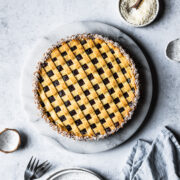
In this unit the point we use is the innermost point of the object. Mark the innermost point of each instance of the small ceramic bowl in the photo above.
(135, 25)
(9, 140)
(172, 51)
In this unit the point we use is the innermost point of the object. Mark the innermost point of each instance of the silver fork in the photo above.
(34, 170)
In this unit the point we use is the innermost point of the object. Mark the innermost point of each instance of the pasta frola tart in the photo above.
(86, 87)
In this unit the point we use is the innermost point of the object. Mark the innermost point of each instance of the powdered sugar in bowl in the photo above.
(138, 13)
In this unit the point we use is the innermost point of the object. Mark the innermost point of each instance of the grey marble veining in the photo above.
(22, 22)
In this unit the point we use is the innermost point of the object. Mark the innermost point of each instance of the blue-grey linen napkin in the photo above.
(157, 160)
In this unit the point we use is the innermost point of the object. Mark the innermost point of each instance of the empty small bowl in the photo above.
(9, 140)
(173, 50)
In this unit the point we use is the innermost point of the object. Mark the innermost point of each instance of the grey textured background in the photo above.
(22, 22)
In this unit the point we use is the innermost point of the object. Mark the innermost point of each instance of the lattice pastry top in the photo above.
(86, 87)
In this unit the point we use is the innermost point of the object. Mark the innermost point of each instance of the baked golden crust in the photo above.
(86, 87)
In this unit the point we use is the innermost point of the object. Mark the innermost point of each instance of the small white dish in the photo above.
(142, 25)
(75, 174)
(173, 50)
(9, 140)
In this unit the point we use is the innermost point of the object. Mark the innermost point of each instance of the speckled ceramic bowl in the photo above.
(142, 25)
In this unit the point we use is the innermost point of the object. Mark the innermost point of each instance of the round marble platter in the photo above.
(145, 79)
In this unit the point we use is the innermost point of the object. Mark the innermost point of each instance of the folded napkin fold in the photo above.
(157, 160)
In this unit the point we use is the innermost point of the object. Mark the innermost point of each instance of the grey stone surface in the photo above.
(23, 22)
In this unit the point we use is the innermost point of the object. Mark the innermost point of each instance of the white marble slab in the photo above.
(63, 32)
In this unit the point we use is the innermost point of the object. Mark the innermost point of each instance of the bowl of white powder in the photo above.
(138, 13)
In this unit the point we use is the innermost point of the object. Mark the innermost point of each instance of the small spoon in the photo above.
(137, 4)
(173, 50)
(9, 140)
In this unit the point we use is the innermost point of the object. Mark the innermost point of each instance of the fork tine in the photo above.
(32, 165)
(43, 170)
(41, 165)
(35, 168)
(47, 164)
(29, 164)
(47, 168)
